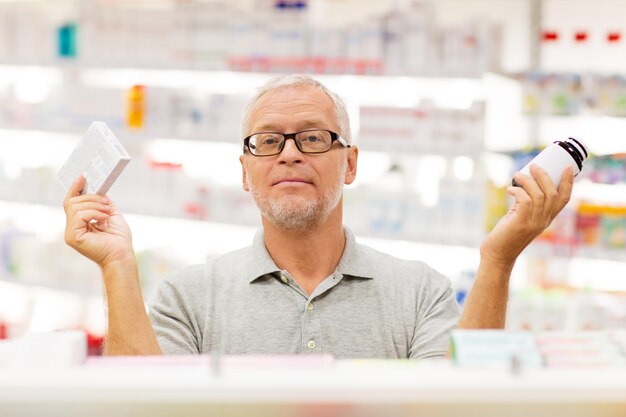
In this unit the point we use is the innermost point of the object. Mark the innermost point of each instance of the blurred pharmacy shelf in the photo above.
(293, 386)
(24, 148)
(602, 134)
(192, 174)
(194, 240)
(257, 35)
(445, 83)
(26, 307)
(181, 103)
(607, 193)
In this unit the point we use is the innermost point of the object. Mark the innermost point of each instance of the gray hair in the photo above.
(300, 80)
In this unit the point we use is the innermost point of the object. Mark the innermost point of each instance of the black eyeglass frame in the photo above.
(334, 137)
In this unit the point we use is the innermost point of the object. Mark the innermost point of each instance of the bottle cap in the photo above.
(579, 144)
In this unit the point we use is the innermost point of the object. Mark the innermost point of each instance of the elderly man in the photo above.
(304, 285)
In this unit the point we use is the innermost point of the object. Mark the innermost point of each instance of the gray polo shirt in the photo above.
(372, 306)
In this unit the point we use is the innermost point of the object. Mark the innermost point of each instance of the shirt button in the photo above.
(283, 278)
(311, 344)
(309, 306)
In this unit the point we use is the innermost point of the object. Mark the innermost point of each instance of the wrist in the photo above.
(494, 255)
(499, 261)
(118, 259)
(502, 265)
(124, 266)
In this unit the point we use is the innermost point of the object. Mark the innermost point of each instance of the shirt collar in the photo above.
(352, 262)
(261, 263)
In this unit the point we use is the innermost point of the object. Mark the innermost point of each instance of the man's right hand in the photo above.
(95, 228)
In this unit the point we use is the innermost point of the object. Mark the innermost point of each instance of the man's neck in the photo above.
(311, 255)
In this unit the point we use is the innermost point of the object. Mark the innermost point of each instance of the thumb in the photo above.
(76, 187)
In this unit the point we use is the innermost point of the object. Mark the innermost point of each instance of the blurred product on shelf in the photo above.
(29, 259)
(607, 169)
(443, 208)
(49, 350)
(520, 349)
(554, 94)
(573, 94)
(588, 229)
(610, 98)
(279, 37)
(95, 344)
(601, 226)
(175, 113)
(496, 203)
(487, 349)
(566, 308)
(40, 275)
(67, 40)
(494, 349)
(136, 107)
(424, 129)
(581, 349)
(462, 286)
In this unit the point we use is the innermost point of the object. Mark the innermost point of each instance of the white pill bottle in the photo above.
(558, 156)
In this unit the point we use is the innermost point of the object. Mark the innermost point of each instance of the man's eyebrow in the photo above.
(309, 124)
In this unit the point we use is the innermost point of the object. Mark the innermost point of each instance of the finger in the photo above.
(80, 224)
(550, 195)
(94, 198)
(74, 190)
(113, 207)
(91, 205)
(565, 188)
(523, 203)
(86, 216)
(76, 187)
(531, 188)
(75, 208)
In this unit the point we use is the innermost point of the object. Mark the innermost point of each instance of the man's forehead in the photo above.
(297, 95)
(302, 105)
(302, 124)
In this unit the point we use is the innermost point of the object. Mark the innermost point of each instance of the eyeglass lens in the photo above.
(311, 141)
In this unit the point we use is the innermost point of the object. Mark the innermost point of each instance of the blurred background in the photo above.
(447, 99)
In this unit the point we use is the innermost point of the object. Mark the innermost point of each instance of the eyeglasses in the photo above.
(307, 141)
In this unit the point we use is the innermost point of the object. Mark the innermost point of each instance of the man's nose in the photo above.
(290, 152)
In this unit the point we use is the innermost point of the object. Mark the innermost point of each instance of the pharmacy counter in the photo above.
(305, 386)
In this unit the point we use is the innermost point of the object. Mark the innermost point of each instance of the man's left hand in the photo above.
(537, 202)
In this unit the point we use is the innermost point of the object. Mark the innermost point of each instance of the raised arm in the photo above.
(537, 202)
(98, 231)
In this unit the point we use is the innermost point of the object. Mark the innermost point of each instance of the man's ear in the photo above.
(244, 173)
(353, 156)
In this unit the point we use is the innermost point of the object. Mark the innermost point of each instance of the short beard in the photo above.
(295, 213)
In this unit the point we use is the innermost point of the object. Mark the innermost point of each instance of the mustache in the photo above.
(292, 176)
